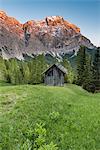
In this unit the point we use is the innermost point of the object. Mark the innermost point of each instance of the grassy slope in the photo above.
(76, 128)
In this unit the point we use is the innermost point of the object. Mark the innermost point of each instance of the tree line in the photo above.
(88, 70)
(23, 72)
(29, 72)
(86, 75)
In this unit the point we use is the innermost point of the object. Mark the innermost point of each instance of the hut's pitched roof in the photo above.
(59, 66)
(62, 68)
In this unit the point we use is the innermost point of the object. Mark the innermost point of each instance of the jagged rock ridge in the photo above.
(52, 35)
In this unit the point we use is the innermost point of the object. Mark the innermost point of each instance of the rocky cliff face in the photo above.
(52, 35)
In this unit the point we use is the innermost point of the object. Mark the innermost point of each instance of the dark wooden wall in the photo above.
(54, 77)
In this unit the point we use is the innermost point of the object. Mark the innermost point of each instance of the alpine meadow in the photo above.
(42, 117)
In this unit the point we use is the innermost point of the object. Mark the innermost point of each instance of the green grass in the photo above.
(71, 116)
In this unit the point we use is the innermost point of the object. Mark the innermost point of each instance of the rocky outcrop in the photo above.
(51, 35)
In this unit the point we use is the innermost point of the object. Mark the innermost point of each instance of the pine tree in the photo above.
(14, 72)
(2, 69)
(70, 76)
(41, 67)
(84, 70)
(96, 69)
(32, 69)
(36, 68)
(87, 84)
(81, 62)
(7, 75)
(25, 73)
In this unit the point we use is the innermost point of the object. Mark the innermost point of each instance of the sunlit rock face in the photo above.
(51, 35)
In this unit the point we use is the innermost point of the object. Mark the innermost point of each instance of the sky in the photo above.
(83, 13)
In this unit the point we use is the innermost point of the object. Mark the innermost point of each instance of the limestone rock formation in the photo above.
(51, 35)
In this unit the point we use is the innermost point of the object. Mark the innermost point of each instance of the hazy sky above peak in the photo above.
(83, 13)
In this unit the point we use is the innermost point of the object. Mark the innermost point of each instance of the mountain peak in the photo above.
(58, 20)
(3, 15)
(52, 34)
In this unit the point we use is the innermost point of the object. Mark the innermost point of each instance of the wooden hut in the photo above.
(54, 75)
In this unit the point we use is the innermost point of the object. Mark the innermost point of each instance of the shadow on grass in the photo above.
(3, 83)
